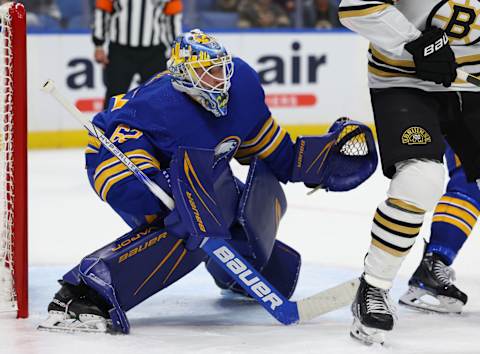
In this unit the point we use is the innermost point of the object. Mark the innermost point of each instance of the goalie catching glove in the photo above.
(338, 161)
(433, 57)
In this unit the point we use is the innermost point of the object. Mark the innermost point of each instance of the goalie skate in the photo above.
(76, 309)
(63, 322)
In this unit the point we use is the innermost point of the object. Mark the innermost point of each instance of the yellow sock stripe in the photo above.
(405, 206)
(461, 203)
(389, 250)
(459, 213)
(452, 221)
(362, 12)
(395, 227)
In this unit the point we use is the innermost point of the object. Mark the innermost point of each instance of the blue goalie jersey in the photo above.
(150, 122)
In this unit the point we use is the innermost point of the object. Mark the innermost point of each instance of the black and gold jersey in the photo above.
(389, 25)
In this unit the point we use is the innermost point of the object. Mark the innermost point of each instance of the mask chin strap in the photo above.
(208, 101)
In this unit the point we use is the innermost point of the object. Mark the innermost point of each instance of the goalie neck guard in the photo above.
(201, 67)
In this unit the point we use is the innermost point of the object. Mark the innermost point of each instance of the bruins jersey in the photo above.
(389, 25)
(150, 122)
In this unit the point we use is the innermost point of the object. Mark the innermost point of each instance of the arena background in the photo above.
(311, 77)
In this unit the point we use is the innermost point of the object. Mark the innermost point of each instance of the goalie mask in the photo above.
(201, 67)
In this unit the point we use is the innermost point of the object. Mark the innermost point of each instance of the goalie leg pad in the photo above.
(281, 270)
(134, 267)
(261, 207)
(340, 160)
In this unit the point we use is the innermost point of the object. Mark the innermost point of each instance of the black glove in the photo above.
(433, 57)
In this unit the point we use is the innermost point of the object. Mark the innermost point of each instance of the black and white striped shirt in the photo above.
(135, 23)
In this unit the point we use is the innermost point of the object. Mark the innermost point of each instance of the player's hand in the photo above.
(433, 57)
(100, 56)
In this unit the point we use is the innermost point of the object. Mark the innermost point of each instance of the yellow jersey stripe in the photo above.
(390, 61)
(116, 169)
(273, 145)
(90, 150)
(94, 141)
(362, 12)
(116, 178)
(382, 73)
(262, 131)
(114, 160)
(242, 151)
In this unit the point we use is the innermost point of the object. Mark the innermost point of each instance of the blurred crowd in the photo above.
(206, 14)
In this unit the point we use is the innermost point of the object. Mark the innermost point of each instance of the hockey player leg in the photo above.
(415, 188)
(431, 287)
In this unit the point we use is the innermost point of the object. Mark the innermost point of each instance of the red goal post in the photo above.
(13, 161)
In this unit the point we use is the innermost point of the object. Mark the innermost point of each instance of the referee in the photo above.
(138, 33)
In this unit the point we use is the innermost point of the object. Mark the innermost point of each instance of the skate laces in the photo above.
(378, 301)
(443, 273)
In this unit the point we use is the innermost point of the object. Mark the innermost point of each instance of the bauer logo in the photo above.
(237, 267)
(416, 136)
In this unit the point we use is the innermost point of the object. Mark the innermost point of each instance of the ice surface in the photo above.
(330, 230)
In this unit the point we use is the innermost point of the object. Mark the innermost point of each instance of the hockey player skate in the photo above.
(76, 309)
(373, 314)
(431, 287)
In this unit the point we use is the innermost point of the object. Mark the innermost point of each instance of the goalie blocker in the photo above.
(210, 202)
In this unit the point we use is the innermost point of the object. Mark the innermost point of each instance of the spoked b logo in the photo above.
(459, 20)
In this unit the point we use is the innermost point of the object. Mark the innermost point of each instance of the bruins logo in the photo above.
(459, 19)
(416, 136)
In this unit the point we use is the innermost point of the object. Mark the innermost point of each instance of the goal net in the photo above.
(13, 167)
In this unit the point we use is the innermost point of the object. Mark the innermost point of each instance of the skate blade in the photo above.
(423, 300)
(367, 335)
(62, 322)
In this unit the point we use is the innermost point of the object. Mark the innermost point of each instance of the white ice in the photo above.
(330, 230)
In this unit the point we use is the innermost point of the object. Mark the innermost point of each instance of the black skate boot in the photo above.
(373, 314)
(433, 278)
(77, 309)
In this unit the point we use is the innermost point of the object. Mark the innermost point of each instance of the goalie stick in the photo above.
(284, 310)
